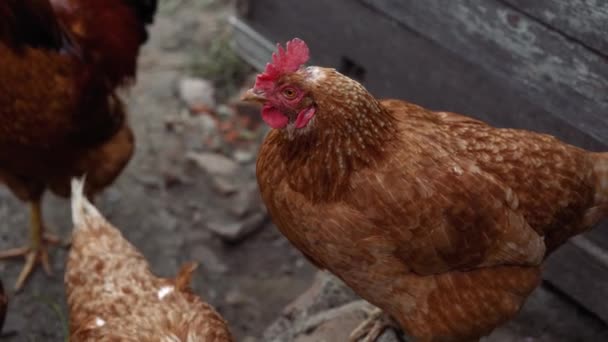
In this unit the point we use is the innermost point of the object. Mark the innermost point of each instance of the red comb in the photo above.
(285, 60)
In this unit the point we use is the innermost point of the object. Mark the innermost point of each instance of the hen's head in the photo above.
(304, 99)
(287, 89)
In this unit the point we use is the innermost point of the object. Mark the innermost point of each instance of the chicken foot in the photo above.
(37, 251)
(371, 328)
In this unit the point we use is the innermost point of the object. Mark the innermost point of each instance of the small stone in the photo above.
(197, 93)
(195, 236)
(246, 201)
(235, 297)
(195, 130)
(224, 186)
(172, 178)
(197, 217)
(207, 123)
(168, 221)
(213, 163)
(243, 156)
(149, 181)
(208, 259)
(233, 232)
(113, 195)
(325, 293)
(389, 335)
(286, 269)
(224, 111)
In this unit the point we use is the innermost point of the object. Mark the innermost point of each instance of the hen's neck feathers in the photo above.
(350, 131)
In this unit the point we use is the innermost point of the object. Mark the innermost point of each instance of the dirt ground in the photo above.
(165, 204)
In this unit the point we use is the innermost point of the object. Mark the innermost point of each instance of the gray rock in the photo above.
(233, 232)
(327, 311)
(213, 163)
(207, 123)
(167, 221)
(195, 131)
(225, 111)
(243, 156)
(198, 235)
(246, 201)
(113, 195)
(235, 297)
(224, 186)
(197, 93)
(149, 181)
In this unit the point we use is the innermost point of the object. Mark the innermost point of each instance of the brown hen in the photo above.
(440, 220)
(113, 296)
(61, 62)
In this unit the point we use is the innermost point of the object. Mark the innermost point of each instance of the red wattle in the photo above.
(273, 117)
(304, 117)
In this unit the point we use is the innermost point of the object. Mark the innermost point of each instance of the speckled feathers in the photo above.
(439, 219)
(113, 296)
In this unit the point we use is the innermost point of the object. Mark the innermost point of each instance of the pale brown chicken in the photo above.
(113, 296)
(440, 220)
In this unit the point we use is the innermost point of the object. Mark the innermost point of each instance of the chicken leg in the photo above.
(36, 252)
(371, 328)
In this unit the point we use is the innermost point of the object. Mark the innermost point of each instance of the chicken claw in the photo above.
(372, 327)
(32, 257)
(37, 251)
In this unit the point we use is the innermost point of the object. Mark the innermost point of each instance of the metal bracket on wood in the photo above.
(250, 45)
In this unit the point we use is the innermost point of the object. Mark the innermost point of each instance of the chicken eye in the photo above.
(289, 93)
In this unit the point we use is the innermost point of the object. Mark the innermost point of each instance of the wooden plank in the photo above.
(578, 274)
(582, 20)
(599, 235)
(252, 47)
(407, 66)
(563, 77)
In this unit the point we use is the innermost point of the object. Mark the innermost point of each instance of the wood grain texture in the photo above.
(409, 66)
(578, 274)
(561, 76)
(583, 20)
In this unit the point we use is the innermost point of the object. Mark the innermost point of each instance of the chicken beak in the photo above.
(254, 95)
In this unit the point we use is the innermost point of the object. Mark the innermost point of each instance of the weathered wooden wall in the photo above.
(540, 64)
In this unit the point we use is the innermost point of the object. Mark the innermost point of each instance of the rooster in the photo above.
(113, 296)
(438, 219)
(61, 63)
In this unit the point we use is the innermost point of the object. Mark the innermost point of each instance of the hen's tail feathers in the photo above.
(84, 214)
(601, 174)
(184, 276)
